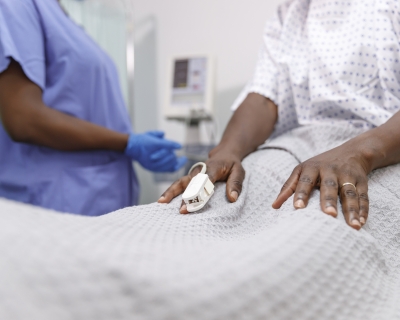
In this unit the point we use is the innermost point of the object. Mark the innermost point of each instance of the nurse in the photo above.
(66, 142)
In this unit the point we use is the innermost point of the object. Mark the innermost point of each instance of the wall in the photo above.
(229, 30)
(103, 20)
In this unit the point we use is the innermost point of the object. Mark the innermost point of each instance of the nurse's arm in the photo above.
(27, 119)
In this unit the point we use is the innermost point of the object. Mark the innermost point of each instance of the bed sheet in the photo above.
(229, 261)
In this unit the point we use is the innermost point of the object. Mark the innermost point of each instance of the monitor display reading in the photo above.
(181, 73)
(189, 83)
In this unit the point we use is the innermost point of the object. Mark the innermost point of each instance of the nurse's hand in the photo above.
(223, 165)
(154, 152)
(338, 173)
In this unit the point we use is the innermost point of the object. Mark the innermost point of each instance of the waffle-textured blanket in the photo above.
(229, 261)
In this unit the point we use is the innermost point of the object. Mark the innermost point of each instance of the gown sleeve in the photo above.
(22, 39)
(265, 77)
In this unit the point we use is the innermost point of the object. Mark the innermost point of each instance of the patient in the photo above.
(321, 66)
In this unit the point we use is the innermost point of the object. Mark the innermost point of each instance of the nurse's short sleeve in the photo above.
(21, 38)
(265, 77)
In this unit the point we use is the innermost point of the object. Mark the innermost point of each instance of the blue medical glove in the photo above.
(154, 152)
(156, 133)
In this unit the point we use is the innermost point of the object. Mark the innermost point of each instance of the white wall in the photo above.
(229, 30)
(102, 20)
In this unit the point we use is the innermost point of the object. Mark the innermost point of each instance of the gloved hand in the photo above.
(154, 152)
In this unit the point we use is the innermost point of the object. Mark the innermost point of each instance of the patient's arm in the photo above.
(348, 163)
(251, 124)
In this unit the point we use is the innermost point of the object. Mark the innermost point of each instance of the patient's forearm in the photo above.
(381, 146)
(251, 124)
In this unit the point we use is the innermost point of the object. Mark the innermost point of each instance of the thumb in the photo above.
(156, 133)
(234, 182)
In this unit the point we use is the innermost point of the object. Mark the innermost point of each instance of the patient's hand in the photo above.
(221, 166)
(250, 125)
(340, 172)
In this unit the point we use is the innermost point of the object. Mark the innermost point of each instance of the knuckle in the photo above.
(330, 198)
(363, 196)
(297, 170)
(237, 183)
(332, 166)
(352, 209)
(220, 170)
(306, 179)
(223, 169)
(364, 209)
(358, 177)
(347, 170)
(286, 186)
(299, 167)
(302, 193)
(350, 193)
(214, 163)
(330, 183)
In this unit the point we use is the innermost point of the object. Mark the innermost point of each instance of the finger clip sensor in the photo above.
(199, 190)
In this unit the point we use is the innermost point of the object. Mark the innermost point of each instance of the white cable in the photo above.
(203, 170)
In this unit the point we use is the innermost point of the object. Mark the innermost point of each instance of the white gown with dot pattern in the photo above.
(330, 61)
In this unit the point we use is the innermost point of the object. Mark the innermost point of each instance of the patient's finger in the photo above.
(363, 201)
(218, 170)
(235, 182)
(350, 205)
(183, 208)
(289, 187)
(329, 193)
(307, 181)
(177, 188)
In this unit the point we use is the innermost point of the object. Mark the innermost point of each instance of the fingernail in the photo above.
(355, 222)
(331, 210)
(183, 209)
(162, 198)
(299, 204)
(234, 195)
(362, 220)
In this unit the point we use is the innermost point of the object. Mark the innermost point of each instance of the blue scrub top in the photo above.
(79, 79)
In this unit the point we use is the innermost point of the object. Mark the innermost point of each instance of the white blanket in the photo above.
(229, 261)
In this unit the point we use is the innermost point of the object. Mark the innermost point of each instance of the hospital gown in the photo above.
(330, 61)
